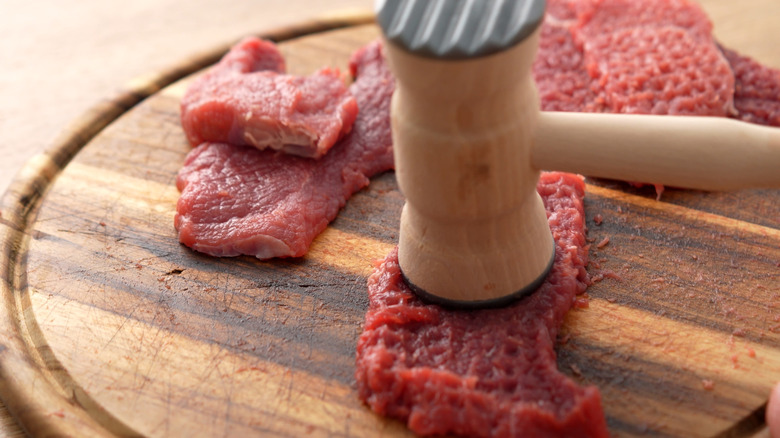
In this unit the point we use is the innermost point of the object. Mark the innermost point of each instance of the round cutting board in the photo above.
(111, 327)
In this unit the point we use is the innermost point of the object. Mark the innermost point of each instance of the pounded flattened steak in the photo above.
(486, 373)
(631, 56)
(246, 99)
(240, 200)
(660, 70)
(599, 17)
(647, 57)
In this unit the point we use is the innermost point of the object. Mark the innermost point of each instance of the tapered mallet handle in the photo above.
(706, 153)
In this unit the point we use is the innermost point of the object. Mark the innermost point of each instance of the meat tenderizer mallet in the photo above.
(469, 141)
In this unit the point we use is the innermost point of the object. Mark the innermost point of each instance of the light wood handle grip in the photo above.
(707, 153)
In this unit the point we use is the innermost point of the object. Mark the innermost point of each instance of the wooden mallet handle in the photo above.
(707, 153)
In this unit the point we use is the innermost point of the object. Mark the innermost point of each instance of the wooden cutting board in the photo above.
(112, 328)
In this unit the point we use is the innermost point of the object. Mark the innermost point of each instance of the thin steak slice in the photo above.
(660, 70)
(246, 99)
(629, 56)
(240, 200)
(655, 57)
(485, 373)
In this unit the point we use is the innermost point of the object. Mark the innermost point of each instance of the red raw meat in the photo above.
(567, 10)
(250, 55)
(647, 56)
(660, 70)
(600, 17)
(757, 90)
(246, 99)
(240, 200)
(559, 72)
(485, 373)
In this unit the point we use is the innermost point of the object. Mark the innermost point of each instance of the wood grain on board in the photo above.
(112, 327)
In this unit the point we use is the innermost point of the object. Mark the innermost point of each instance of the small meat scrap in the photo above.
(247, 99)
(239, 200)
(484, 373)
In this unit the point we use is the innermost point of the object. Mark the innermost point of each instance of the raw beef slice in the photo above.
(486, 373)
(629, 56)
(239, 200)
(599, 17)
(559, 72)
(246, 99)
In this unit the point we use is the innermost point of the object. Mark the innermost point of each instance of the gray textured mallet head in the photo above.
(458, 29)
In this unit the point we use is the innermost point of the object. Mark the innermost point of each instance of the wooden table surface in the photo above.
(60, 59)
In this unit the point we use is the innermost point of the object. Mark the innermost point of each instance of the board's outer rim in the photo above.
(32, 396)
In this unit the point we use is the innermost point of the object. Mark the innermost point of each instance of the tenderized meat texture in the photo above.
(240, 200)
(559, 72)
(246, 99)
(757, 90)
(485, 373)
(599, 17)
(629, 56)
(566, 10)
(660, 70)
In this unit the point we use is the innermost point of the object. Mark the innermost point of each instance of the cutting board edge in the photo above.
(48, 409)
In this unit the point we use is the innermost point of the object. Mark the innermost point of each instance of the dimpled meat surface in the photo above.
(633, 56)
(489, 372)
(240, 200)
(246, 99)
(559, 72)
